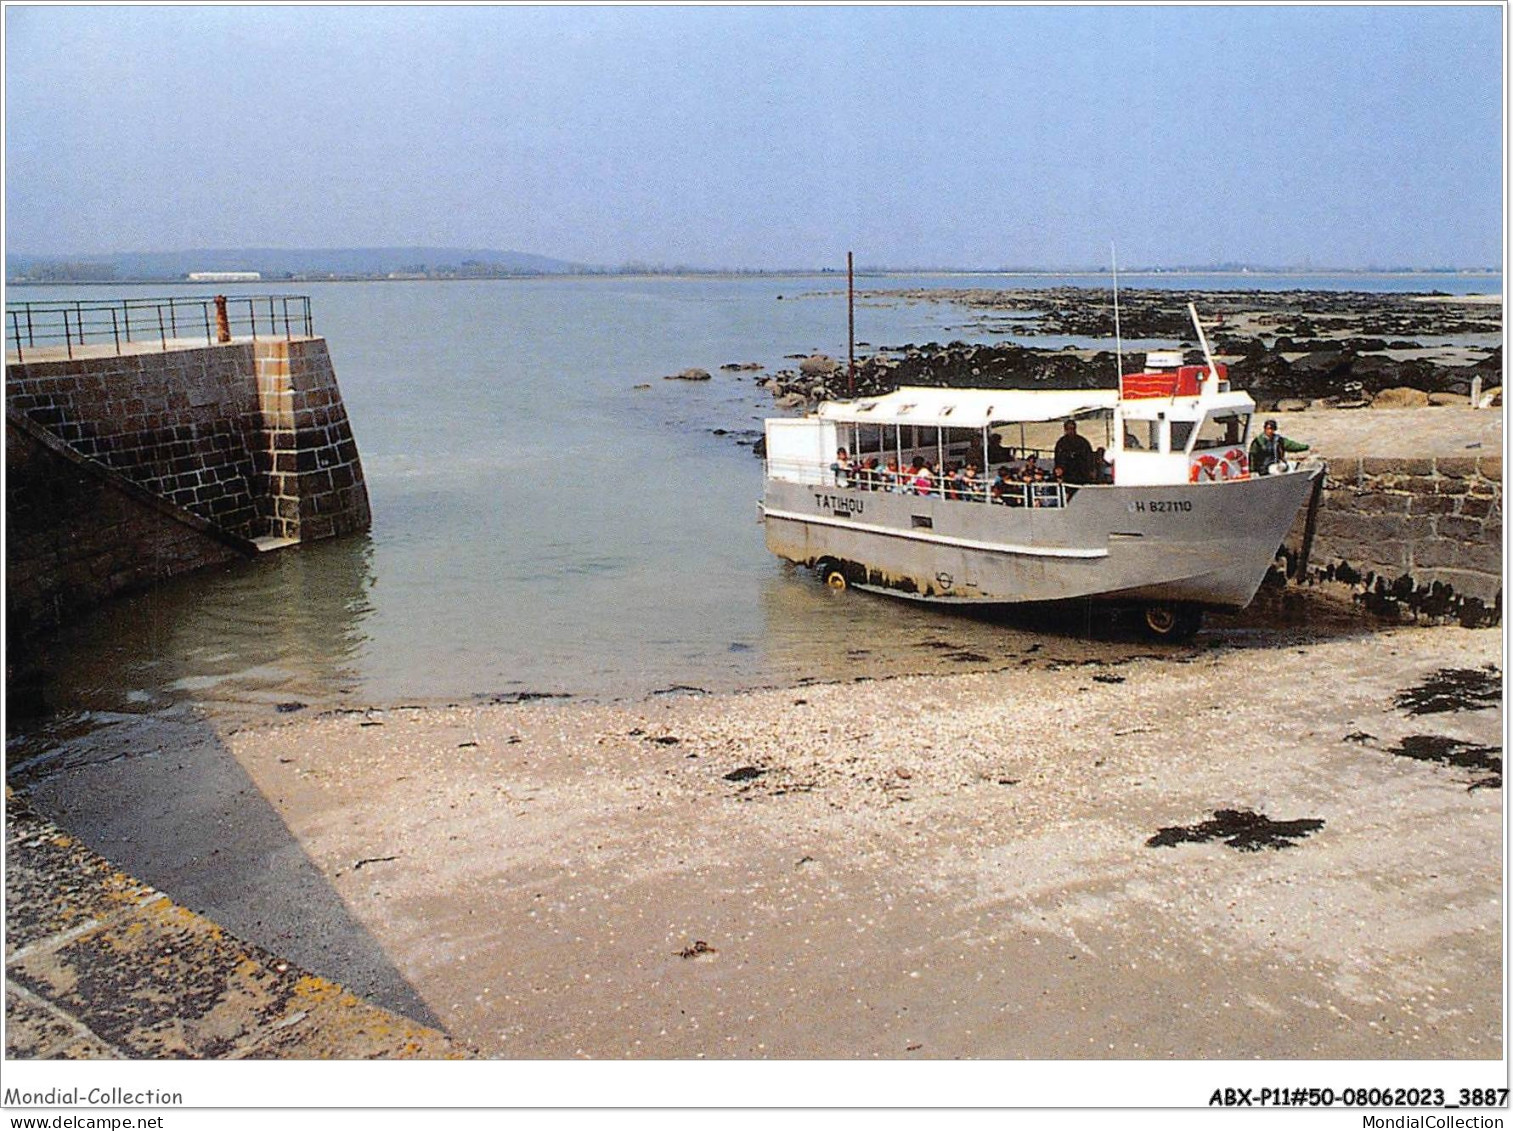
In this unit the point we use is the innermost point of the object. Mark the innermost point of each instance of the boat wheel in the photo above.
(1172, 622)
(832, 575)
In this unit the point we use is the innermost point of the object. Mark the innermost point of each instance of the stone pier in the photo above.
(1411, 513)
(130, 464)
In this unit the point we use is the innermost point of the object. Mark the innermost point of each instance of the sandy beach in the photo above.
(932, 866)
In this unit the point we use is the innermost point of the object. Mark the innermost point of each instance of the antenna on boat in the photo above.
(850, 327)
(1213, 370)
(1118, 336)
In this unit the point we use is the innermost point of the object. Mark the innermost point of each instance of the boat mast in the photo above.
(1118, 336)
(1213, 370)
(850, 327)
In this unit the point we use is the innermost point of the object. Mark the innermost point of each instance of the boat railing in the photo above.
(1015, 493)
(127, 325)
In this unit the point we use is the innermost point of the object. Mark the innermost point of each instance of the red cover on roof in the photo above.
(1181, 382)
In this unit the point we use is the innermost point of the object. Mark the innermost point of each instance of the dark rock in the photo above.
(818, 365)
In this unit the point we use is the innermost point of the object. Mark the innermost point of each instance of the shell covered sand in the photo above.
(941, 866)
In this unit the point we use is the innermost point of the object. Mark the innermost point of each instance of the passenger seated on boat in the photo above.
(1044, 492)
(892, 481)
(841, 468)
(868, 477)
(921, 478)
(1003, 487)
(974, 488)
(962, 480)
(1024, 483)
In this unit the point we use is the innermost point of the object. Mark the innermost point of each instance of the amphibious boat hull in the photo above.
(1202, 544)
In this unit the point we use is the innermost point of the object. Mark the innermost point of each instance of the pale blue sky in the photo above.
(765, 137)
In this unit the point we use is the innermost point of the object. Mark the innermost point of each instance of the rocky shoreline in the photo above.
(1290, 350)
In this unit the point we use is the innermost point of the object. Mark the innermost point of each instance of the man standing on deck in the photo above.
(1270, 447)
(1074, 455)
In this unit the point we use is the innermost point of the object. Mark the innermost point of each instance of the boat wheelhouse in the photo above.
(1168, 516)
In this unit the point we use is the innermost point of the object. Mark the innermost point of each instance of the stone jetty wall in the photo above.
(77, 533)
(182, 424)
(314, 479)
(170, 460)
(1420, 536)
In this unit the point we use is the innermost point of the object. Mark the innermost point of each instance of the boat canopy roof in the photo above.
(969, 408)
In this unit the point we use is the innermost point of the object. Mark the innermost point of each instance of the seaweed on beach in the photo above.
(1453, 689)
(1240, 829)
(1454, 752)
(504, 698)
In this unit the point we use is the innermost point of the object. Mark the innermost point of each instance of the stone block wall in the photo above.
(1421, 533)
(77, 533)
(314, 481)
(181, 424)
(210, 447)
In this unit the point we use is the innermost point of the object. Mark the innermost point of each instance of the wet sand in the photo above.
(933, 866)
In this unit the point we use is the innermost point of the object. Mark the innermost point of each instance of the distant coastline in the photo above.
(216, 266)
(796, 273)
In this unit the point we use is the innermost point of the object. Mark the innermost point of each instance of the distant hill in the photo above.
(290, 264)
(285, 263)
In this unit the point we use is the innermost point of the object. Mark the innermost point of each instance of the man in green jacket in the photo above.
(1271, 447)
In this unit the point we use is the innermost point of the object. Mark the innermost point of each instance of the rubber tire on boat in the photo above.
(1171, 622)
(832, 575)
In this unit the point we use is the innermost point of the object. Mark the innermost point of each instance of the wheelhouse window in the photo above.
(1142, 435)
(1182, 431)
(1223, 429)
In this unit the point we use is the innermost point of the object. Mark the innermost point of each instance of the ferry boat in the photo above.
(1173, 522)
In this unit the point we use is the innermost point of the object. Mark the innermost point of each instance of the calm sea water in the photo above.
(543, 525)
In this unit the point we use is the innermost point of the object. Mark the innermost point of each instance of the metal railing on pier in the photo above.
(135, 322)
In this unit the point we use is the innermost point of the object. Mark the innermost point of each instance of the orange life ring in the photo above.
(1203, 468)
(1210, 469)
